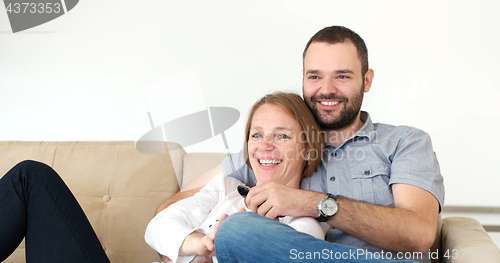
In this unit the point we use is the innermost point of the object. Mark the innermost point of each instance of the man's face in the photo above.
(333, 84)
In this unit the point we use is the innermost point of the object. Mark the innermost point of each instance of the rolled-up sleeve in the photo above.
(415, 163)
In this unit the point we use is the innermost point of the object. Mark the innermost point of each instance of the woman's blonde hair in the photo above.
(310, 131)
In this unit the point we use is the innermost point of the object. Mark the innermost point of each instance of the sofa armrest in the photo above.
(464, 239)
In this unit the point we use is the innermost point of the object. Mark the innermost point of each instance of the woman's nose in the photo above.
(266, 144)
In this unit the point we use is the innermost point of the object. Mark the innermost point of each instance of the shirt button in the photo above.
(332, 178)
(367, 172)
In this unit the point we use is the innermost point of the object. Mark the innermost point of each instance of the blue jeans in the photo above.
(35, 203)
(248, 237)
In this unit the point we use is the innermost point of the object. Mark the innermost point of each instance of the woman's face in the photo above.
(276, 150)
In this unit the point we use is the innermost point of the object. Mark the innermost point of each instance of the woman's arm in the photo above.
(168, 229)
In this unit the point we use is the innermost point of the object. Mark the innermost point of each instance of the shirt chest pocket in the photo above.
(370, 183)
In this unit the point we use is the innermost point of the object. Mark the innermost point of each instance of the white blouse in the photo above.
(168, 229)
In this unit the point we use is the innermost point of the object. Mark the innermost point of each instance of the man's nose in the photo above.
(328, 86)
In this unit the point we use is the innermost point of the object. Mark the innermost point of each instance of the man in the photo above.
(384, 187)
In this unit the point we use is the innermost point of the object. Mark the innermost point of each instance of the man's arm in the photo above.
(177, 197)
(409, 226)
(192, 187)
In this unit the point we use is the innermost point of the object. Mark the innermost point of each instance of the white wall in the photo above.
(87, 74)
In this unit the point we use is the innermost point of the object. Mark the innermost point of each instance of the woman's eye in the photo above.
(283, 136)
(256, 135)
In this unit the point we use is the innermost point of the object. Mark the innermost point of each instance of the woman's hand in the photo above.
(165, 259)
(201, 259)
(206, 245)
(201, 245)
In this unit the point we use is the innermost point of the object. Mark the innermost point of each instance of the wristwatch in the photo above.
(327, 208)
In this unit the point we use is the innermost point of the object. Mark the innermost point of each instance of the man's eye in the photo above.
(313, 77)
(343, 77)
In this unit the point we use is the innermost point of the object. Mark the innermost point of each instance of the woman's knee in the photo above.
(245, 224)
(34, 169)
(234, 225)
(238, 220)
(233, 230)
(32, 164)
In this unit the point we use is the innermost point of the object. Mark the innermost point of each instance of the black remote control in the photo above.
(243, 190)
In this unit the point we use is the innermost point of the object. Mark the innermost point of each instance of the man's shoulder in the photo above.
(388, 131)
(383, 130)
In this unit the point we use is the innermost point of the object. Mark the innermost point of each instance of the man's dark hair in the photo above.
(339, 34)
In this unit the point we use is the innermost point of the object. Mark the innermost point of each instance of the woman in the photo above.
(283, 145)
(36, 204)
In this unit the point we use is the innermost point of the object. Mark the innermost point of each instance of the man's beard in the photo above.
(348, 113)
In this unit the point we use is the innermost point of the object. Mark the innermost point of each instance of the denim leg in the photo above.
(35, 203)
(248, 237)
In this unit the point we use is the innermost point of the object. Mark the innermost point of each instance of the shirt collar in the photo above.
(366, 131)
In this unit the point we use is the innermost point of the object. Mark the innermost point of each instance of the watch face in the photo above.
(329, 207)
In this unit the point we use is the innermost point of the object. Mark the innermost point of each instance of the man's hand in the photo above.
(273, 200)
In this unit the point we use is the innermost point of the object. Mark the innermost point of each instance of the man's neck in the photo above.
(336, 137)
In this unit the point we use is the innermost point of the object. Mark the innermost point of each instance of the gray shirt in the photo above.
(364, 167)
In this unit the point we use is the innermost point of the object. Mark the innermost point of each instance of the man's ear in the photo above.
(368, 80)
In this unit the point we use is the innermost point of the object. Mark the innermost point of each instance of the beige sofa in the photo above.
(120, 188)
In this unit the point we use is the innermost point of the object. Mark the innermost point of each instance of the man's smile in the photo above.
(329, 103)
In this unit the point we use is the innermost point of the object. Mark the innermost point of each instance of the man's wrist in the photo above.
(327, 208)
(314, 211)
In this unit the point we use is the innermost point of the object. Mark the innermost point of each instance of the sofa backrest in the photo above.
(118, 187)
(194, 164)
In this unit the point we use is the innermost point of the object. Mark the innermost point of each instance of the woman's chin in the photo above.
(261, 179)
